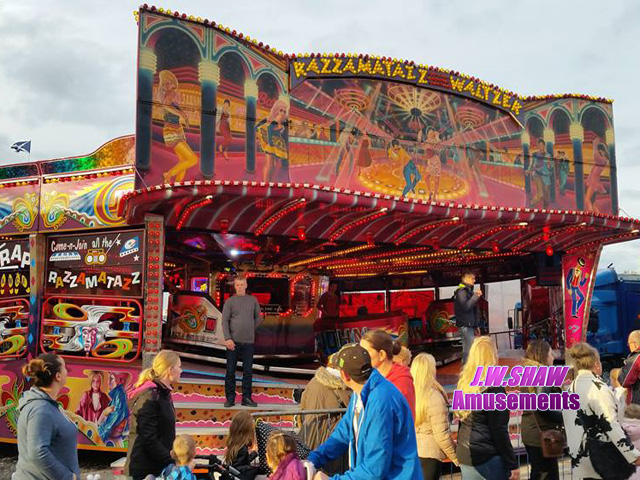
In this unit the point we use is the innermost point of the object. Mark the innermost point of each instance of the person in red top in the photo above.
(382, 347)
(329, 303)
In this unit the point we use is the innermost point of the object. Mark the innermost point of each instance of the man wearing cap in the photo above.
(377, 430)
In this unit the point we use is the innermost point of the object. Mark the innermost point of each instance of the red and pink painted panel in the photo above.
(212, 105)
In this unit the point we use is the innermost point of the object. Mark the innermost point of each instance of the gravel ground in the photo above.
(90, 462)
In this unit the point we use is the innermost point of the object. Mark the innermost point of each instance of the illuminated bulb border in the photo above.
(423, 228)
(186, 213)
(356, 223)
(287, 209)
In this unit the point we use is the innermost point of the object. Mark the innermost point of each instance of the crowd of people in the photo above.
(397, 423)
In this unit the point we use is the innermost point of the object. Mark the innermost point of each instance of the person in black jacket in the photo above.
(465, 307)
(539, 354)
(153, 417)
(242, 446)
(484, 448)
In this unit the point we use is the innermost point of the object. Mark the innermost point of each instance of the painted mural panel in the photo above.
(199, 92)
(578, 136)
(402, 140)
(14, 298)
(213, 106)
(101, 425)
(84, 201)
(90, 328)
(19, 201)
(578, 279)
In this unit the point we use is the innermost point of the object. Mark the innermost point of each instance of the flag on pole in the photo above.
(22, 146)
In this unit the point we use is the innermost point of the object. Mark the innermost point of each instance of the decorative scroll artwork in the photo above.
(92, 329)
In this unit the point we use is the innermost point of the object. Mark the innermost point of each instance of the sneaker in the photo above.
(248, 402)
(229, 403)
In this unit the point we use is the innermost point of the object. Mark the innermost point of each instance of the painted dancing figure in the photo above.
(224, 129)
(173, 130)
(409, 171)
(273, 134)
(575, 283)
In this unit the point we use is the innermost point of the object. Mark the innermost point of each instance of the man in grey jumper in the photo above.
(240, 318)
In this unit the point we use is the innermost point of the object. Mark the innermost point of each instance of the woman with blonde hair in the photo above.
(484, 447)
(273, 135)
(593, 430)
(432, 418)
(153, 419)
(175, 119)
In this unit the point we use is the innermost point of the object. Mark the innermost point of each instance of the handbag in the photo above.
(552, 441)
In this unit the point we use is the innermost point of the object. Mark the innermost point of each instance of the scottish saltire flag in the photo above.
(22, 146)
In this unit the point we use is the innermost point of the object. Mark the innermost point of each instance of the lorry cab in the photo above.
(615, 311)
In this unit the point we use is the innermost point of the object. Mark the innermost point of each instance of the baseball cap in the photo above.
(353, 360)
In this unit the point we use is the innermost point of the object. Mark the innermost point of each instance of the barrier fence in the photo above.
(449, 470)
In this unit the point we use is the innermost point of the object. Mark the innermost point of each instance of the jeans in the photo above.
(245, 352)
(577, 299)
(542, 468)
(411, 178)
(468, 335)
(492, 469)
(431, 468)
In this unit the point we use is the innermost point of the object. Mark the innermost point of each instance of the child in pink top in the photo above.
(282, 458)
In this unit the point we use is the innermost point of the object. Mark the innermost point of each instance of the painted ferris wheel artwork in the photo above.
(397, 139)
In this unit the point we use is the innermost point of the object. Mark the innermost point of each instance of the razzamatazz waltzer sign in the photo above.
(322, 67)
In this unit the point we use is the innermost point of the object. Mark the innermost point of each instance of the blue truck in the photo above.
(615, 311)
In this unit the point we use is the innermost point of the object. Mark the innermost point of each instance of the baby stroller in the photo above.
(217, 470)
(213, 469)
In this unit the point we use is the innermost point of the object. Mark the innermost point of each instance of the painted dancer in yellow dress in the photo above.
(273, 135)
(173, 131)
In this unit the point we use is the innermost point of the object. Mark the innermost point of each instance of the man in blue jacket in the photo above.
(377, 430)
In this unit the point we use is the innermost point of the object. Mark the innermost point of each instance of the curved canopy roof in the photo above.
(406, 230)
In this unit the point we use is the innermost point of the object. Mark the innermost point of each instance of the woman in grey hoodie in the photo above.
(47, 439)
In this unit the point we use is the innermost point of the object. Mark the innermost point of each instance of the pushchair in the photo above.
(218, 470)
(212, 469)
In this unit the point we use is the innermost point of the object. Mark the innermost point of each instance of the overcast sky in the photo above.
(67, 80)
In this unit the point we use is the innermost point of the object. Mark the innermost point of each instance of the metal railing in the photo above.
(449, 470)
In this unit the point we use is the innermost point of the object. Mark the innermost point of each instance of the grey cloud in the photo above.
(68, 75)
(624, 256)
(62, 77)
